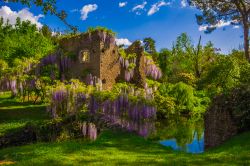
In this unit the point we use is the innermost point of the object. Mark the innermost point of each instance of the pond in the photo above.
(196, 146)
(181, 134)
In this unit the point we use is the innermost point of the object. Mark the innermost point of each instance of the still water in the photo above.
(181, 134)
(196, 146)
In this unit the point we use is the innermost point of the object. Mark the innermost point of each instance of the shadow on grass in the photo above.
(23, 113)
(15, 114)
(120, 148)
(15, 103)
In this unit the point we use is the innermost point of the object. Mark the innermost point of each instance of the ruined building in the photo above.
(96, 53)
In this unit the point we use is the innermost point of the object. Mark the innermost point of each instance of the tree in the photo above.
(47, 6)
(186, 62)
(216, 11)
(149, 45)
(46, 31)
(23, 40)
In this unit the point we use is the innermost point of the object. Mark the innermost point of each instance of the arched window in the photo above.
(84, 56)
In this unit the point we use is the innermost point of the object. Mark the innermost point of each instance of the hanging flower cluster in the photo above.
(151, 69)
(132, 115)
(89, 130)
(48, 60)
(128, 62)
(125, 107)
(63, 62)
(4, 84)
(12, 85)
(106, 36)
(67, 99)
(95, 81)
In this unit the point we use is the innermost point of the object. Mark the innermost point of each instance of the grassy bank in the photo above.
(111, 148)
(15, 114)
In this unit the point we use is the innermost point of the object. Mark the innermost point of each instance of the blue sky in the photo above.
(132, 19)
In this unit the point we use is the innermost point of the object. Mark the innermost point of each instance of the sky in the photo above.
(132, 20)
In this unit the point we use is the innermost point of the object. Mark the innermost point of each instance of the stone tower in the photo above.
(93, 53)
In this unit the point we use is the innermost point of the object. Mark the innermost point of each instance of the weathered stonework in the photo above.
(227, 116)
(219, 124)
(96, 54)
(139, 78)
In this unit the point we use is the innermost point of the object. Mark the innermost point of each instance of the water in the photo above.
(181, 134)
(196, 146)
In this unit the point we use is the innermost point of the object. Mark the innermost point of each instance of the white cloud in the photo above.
(123, 41)
(138, 8)
(184, 3)
(7, 14)
(236, 27)
(156, 7)
(122, 4)
(74, 10)
(87, 9)
(220, 24)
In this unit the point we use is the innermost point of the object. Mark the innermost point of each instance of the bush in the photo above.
(182, 98)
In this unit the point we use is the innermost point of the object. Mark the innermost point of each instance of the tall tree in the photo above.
(216, 11)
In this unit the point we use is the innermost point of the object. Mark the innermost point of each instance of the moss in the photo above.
(101, 29)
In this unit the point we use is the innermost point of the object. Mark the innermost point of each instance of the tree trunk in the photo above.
(246, 41)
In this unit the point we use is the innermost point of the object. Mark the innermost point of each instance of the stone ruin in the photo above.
(228, 116)
(97, 54)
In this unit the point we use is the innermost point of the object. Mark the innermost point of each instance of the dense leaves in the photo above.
(22, 41)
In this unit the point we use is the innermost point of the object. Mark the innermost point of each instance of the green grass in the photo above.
(15, 114)
(111, 147)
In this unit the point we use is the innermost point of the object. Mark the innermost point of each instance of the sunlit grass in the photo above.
(15, 114)
(111, 147)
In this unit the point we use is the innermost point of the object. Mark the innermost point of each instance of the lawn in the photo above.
(15, 114)
(111, 147)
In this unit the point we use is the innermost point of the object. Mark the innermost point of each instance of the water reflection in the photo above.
(197, 146)
(181, 133)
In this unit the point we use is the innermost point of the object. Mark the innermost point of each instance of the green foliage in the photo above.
(245, 73)
(181, 128)
(184, 99)
(187, 78)
(15, 114)
(185, 62)
(124, 55)
(149, 46)
(238, 100)
(101, 29)
(164, 61)
(3, 67)
(223, 75)
(165, 106)
(22, 41)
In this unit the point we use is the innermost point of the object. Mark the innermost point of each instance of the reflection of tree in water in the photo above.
(180, 128)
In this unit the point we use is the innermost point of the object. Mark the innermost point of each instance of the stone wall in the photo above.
(103, 57)
(74, 46)
(227, 116)
(109, 67)
(219, 123)
(139, 78)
